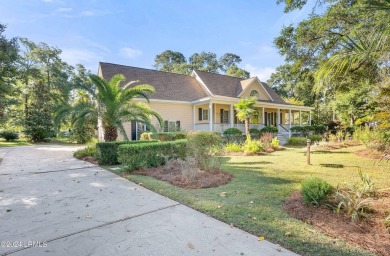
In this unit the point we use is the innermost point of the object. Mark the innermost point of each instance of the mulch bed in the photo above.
(173, 175)
(336, 145)
(370, 233)
(90, 159)
(368, 153)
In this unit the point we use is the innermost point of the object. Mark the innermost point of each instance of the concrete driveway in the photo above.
(54, 204)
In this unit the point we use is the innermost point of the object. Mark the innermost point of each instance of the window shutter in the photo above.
(221, 114)
(178, 125)
(200, 113)
(165, 126)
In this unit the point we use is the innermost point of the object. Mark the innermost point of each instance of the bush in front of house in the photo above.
(270, 128)
(232, 135)
(203, 146)
(315, 190)
(255, 133)
(144, 155)
(106, 152)
(251, 146)
(171, 136)
(9, 136)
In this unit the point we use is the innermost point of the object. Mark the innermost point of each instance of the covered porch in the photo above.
(219, 116)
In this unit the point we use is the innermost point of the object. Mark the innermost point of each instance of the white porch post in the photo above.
(231, 115)
(211, 116)
(300, 118)
(194, 117)
(310, 117)
(289, 118)
(278, 118)
(262, 116)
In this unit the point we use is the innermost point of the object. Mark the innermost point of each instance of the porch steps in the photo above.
(283, 138)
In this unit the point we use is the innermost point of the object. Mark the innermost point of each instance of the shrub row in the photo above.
(302, 140)
(164, 136)
(305, 130)
(138, 155)
(107, 152)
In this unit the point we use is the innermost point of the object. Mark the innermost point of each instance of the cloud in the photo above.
(130, 53)
(262, 73)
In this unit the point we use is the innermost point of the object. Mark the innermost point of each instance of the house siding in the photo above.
(255, 86)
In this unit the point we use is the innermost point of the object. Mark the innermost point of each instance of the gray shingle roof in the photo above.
(171, 86)
(168, 86)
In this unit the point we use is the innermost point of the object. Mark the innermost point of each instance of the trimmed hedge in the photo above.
(135, 156)
(171, 136)
(306, 130)
(270, 128)
(106, 152)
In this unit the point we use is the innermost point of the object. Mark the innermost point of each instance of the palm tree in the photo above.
(113, 105)
(245, 111)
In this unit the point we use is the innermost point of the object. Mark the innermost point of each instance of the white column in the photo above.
(231, 115)
(211, 116)
(194, 117)
(262, 116)
(300, 118)
(289, 118)
(278, 118)
(309, 117)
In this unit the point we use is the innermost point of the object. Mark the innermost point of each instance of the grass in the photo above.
(261, 185)
(15, 143)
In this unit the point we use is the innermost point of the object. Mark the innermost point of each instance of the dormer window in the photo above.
(255, 93)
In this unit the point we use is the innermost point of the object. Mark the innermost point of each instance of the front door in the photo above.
(270, 118)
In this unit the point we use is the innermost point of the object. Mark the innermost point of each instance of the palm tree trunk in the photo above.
(247, 121)
(110, 133)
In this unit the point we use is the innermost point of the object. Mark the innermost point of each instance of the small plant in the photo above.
(352, 203)
(275, 143)
(251, 146)
(232, 134)
(315, 190)
(146, 136)
(233, 147)
(266, 140)
(387, 222)
(85, 152)
(297, 141)
(188, 166)
(9, 136)
(202, 146)
(367, 185)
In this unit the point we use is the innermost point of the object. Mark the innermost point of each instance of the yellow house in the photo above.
(204, 101)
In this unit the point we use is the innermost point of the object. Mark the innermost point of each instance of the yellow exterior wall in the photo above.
(255, 86)
(197, 121)
(217, 114)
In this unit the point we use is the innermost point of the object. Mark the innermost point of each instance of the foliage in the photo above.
(297, 141)
(175, 62)
(315, 190)
(202, 145)
(232, 134)
(251, 146)
(153, 154)
(275, 143)
(170, 136)
(83, 134)
(232, 147)
(266, 140)
(306, 130)
(9, 136)
(146, 136)
(387, 221)
(372, 138)
(89, 151)
(107, 152)
(245, 109)
(270, 128)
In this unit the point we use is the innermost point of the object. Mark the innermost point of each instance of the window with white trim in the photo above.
(254, 93)
(203, 114)
(171, 126)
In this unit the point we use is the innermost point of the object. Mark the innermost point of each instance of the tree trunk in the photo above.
(110, 133)
(247, 132)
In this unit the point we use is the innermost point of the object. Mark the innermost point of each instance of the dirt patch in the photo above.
(336, 145)
(173, 174)
(370, 233)
(90, 159)
(368, 153)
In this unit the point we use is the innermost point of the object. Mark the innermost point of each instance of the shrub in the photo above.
(270, 128)
(275, 143)
(146, 136)
(255, 133)
(138, 155)
(233, 147)
(202, 145)
(232, 134)
(85, 152)
(251, 146)
(9, 136)
(106, 152)
(266, 140)
(352, 203)
(297, 141)
(171, 136)
(373, 139)
(315, 138)
(315, 190)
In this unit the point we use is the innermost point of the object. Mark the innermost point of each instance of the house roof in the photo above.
(168, 86)
(176, 87)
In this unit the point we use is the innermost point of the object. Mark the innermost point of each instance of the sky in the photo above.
(133, 32)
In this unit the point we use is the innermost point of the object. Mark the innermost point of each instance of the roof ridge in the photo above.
(217, 74)
(101, 62)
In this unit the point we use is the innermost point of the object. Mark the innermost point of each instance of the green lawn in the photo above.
(15, 143)
(268, 181)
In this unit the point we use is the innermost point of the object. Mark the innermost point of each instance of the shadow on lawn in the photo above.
(332, 165)
(329, 152)
(250, 163)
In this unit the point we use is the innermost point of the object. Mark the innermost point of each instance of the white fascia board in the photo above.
(203, 85)
(164, 101)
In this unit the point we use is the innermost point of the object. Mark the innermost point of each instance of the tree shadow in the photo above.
(329, 152)
(251, 163)
(332, 165)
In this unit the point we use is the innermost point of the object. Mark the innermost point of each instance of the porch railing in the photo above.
(222, 127)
